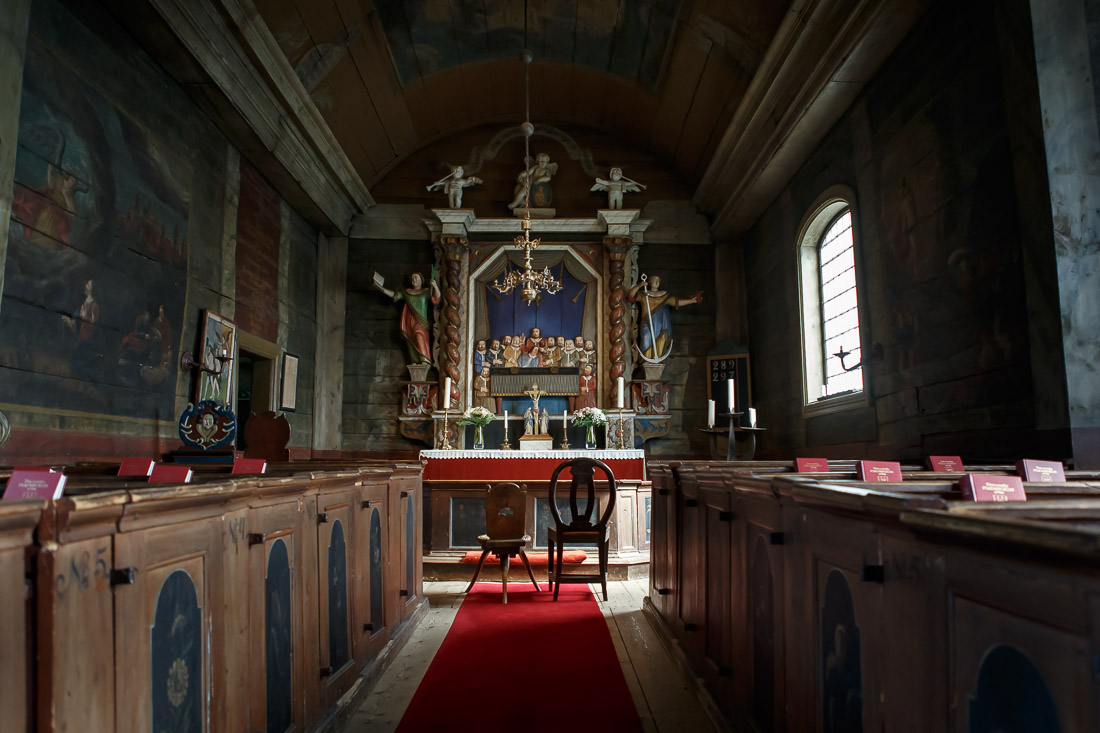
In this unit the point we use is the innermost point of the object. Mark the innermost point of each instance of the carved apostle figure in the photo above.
(415, 315)
(654, 321)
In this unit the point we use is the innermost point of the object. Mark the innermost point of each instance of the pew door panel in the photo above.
(720, 577)
(372, 585)
(663, 554)
(691, 612)
(17, 610)
(275, 630)
(405, 506)
(335, 539)
(164, 627)
(759, 619)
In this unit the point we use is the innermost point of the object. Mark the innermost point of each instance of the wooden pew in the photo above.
(18, 520)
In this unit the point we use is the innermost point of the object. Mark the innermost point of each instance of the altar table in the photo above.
(516, 465)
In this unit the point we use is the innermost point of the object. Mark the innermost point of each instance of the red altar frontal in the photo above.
(517, 465)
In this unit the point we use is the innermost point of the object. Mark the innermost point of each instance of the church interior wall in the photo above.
(928, 149)
(151, 220)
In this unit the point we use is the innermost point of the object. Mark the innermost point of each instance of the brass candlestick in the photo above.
(446, 431)
(564, 434)
(506, 445)
(620, 444)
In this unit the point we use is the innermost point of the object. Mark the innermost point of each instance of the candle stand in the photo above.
(446, 431)
(741, 443)
(564, 435)
(506, 445)
(620, 443)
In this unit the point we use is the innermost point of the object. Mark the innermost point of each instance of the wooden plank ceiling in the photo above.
(392, 76)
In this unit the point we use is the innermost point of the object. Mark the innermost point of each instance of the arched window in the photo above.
(830, 303)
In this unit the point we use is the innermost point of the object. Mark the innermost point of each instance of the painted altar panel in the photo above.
(97, 259)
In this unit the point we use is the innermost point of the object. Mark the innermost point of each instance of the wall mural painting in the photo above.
(176, 641)
(377, 617)
(1011, 696)
(338, 653)
(96, 269)
(277, 638)
(763, 639)
(841, 661)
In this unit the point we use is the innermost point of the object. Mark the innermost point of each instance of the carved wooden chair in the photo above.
(505, 517)
(581, 529)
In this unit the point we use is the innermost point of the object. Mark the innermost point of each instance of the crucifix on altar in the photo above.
(536, 423)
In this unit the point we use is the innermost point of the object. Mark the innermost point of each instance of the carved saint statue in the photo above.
(452, 185)
(538, 177)
(654, 322)
(616, 187)
(415, 316)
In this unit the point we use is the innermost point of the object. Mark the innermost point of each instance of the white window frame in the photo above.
(821, 215)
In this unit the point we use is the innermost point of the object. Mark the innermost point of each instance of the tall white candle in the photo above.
(710, 413)
(621, 396)
(565, 417)
(447, 392)
(752, 417)
(729, 395)
(505, 426)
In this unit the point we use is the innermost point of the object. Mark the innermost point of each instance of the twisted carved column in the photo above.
(454, 248)
(617, 249)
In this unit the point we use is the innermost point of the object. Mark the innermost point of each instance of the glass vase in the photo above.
(590, 438)
(479, 437)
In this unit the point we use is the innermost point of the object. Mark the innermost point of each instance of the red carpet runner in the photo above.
(531, 665)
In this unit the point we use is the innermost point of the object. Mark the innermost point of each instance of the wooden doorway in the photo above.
(257, 380)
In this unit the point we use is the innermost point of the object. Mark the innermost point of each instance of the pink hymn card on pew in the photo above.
(249, 465)
(986, 487)
(886, 471)
(34, 483)
(811, 465)
(945, 464)
(167, 474)
(136, 467)
(1047, 472)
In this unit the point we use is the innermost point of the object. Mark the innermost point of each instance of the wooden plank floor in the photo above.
(664, 699)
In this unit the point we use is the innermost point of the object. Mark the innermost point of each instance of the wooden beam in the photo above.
(823, 54)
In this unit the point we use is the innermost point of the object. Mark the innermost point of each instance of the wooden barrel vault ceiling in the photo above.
(391, 76)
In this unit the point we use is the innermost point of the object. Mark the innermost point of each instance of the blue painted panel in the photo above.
(338, 653)
(277, 638)
(377, 614)
(176, 662)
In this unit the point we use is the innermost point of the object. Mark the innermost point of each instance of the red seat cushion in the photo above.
(536, 558)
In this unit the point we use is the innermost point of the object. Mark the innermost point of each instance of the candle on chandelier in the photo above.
(447, 392)
(621, 396)
(710, 413)
(729, 395)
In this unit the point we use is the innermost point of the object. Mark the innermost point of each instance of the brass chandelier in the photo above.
(530, 282)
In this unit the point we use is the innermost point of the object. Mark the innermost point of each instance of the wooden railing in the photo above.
(238, 604)
(811, 604)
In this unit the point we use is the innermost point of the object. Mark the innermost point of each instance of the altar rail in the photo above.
(817, 603)
(256, 603)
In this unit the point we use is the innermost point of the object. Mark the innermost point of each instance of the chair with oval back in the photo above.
(505, 517)
(581, 528)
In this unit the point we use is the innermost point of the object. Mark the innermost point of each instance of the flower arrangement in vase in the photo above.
(589, 417)
(479, 417)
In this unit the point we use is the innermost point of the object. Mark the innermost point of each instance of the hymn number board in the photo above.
(721, 368)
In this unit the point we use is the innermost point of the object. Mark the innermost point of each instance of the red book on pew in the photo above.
(164, 473)
(811, 465)
(985, 487)
(40, 469)
(249, 465)
(1047, 472)
(136, 467)
(946, 464)
(886, 471)
(34, 483)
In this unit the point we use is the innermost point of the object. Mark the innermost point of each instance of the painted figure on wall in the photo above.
(84, 322)
(47, 213)
(654, 320)
(415, 314)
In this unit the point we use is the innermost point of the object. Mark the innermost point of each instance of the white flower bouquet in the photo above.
(477, 415)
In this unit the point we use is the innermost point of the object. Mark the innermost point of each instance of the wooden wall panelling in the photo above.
(336, 534)
(17, 522)
(74, 634)
(371, 628)
(719, 580)
(170, 620)
(276, 591)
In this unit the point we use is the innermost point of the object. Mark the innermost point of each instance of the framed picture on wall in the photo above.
(720, 369)
(218, 344)
(288, 394)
